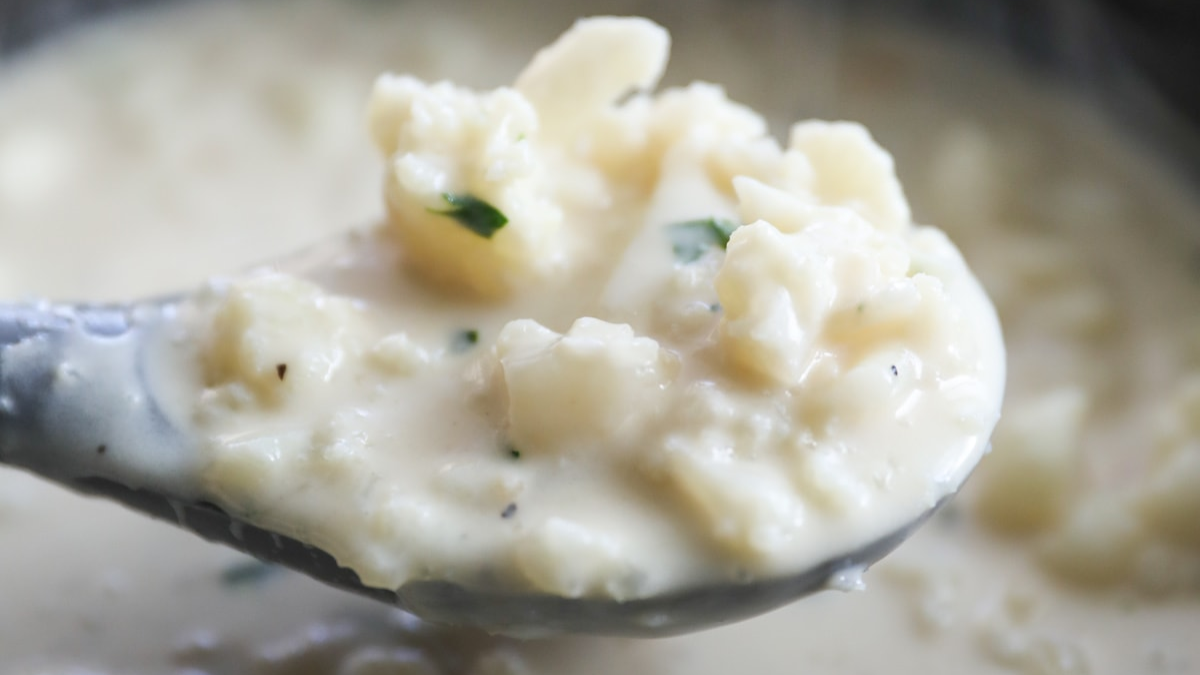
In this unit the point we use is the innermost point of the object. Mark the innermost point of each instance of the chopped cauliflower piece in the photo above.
(852, 170)
(274, 333)
(782, 289)
(592, 65)
(597, 384)
(1097, 543)
(1032, 470)
(467, 195)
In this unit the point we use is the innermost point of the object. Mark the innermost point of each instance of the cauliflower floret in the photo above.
(702, 111)
(596, 385)
(478, 182)
(468, 197)
(787, 211)
(593, 64)
(748, 509)
(1028, 481)
(850, 169)
(776, 296)
(1097, 542)
(804, 278)
(780, 289)
(275, 334)
(630, 142)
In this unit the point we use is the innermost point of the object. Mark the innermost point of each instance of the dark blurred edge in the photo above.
(1095, 39)
(1138, 58)
(1098, 43)
(23, 21)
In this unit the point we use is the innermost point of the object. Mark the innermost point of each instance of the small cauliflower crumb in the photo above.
(275, 334)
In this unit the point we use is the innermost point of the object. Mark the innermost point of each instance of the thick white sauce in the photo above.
(90, 588)
(572, 385)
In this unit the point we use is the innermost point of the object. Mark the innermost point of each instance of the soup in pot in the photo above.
(153, 151)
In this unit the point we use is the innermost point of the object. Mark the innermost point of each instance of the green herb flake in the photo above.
(248, 573)
(473, 213)
(691, 239)
(513, 452)
(464, 341)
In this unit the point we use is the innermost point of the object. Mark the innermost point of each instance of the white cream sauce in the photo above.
(88, 587)
(482, 407)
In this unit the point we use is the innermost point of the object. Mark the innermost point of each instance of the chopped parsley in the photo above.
(248, 573)
(513, 451)
(463, 341)
(691, 239)
(473, 213)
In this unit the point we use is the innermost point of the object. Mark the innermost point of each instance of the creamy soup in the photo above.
(1074, 549)
(596, 348)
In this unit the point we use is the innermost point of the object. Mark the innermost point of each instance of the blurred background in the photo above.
(1104, 45)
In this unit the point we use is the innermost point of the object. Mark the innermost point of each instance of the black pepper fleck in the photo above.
(281, 371)
(101, 449)
(895, 370)
(509, 511)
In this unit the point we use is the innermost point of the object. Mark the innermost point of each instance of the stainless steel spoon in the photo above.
(64, 423)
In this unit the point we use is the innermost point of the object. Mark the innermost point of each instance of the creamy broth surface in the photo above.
(251, 114)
